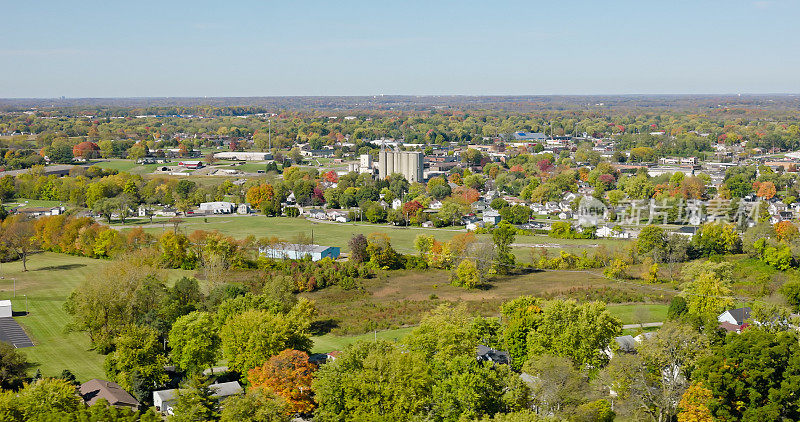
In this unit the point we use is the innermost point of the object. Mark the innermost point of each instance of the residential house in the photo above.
(487, 354)
(36, 212)
(734, 320)
(243, 209)
(338, 215)
(316, 213)
(192, 165)
(93, 390)
(492, 217)
(479, 205)
(687, 231)
(616, 232)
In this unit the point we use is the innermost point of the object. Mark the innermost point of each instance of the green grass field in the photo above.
(31, 203)
(246, 167)
(639, 313)
(288, 228)
(50, 279)
(330, 342)
(338, 234)
(120, 165)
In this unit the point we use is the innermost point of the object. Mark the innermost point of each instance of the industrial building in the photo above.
(299, 251)
(407, 163)
(243, 156)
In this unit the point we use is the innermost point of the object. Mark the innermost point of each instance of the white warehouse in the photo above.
(243, 156)
(298, 251)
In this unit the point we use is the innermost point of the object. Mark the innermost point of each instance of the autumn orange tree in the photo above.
(786, 230)
(260, 193)
(766, 190)
(287, 374)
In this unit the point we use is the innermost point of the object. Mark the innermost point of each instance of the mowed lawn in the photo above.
(48, 282)
(50, 279)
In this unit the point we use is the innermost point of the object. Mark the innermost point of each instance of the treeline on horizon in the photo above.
(236, 106)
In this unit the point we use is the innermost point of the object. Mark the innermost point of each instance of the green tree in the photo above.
(753, 376)
(196, 402)
(249, 339)
(516, 214)
(579, 331)
(467, 274)
(651, 237)
(707, 288)
(258, 405)
(373, 381)
(13, 367)
(443, 333)
(138, 353)
(503, 236)
(557, 387)
(47, 396)
(194, 341)
(465, 389)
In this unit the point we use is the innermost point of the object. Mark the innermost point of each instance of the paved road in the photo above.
(645, 325)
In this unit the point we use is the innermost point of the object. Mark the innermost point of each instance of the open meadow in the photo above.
(400, 298)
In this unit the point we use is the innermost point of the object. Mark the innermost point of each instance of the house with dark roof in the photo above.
(93, 390)
(734, 320)
(487, 354)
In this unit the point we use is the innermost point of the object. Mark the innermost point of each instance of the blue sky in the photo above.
(254, 48)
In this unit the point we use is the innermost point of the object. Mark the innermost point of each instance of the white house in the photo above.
(492, 217)
(218, 207)
(397, 204)
(243, 209)
(5, 309)
(165, 400)
(734, 319)
(613, 232)
(299, 251)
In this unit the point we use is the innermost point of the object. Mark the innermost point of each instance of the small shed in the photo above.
(5, 309)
